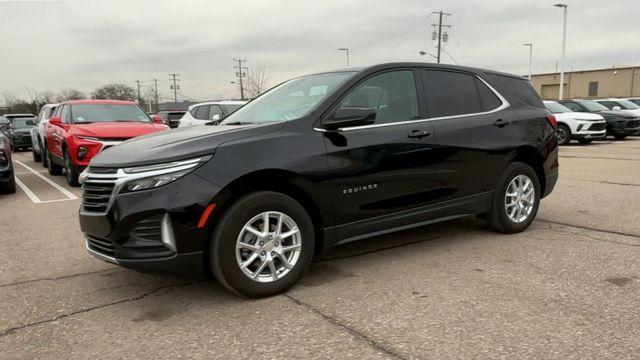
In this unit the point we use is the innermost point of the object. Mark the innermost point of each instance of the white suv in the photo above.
(37, 132)
(581, 126)
(205, 112)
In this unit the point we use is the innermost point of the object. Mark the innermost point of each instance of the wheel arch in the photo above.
(531, 156)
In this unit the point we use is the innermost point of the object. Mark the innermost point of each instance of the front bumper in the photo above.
(150, 230)
(590, 135)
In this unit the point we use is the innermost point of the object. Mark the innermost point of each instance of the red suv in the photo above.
(79, 129)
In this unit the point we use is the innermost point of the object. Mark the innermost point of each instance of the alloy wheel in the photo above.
(519, 198)
(268, 246)
(561, 135)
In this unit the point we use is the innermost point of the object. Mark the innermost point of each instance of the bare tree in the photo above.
(70, 94)
(256, 82)
(115, 92)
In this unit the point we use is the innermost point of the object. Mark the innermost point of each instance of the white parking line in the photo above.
(28, 192)
(64, 191)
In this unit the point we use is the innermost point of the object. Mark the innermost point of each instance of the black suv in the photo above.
(620, 124)
(321, 160)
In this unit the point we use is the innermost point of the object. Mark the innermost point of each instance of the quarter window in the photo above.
(451, 93)
(488, 98)
(392, 94)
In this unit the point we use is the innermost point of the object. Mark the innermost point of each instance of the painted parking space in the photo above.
(40, 187)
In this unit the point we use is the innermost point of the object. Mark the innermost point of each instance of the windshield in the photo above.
(288, 101)
(593, 106)
(556, 108)
(628, 105)
(230, 109)
(87, 113)
(635, 101)
(21, 123)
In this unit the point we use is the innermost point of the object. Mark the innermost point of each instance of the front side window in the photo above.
(593, 105)
(451, 93)
(213, 111)
(88, 113)
(392, 94)
(290, 100)
(628, 105)
(64, 114)
(230, 109)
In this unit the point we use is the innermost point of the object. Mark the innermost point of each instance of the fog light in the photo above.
(82, 152)
(580, 127)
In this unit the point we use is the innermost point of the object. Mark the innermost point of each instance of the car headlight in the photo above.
(90, 138)
(153, 176)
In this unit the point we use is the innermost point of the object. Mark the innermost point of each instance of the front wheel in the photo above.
(70, 170)
(262, 244)
(515, 199)
(563, 134)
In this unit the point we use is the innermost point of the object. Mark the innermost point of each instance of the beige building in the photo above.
(621, 81)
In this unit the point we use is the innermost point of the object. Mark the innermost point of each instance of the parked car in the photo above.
(212, 111)
(582, 126)
(620, 104)
(80, 129)
(37, 132)
(321, 160)
(620, 124)
(20, 133)
(635, 100)
(171, 118)
(7, 177)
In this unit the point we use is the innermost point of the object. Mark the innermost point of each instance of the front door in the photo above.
(381, 173)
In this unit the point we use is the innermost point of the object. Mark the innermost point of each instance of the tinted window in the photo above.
(573, 106)
(230, 109)
(516, 90)
(88, 113)
(488, 98)
(451, 93)
(392, 94)
(215, 110)
(608, 104)
(202, 112)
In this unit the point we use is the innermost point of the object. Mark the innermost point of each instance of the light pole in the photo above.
(564, 41)
(530, 56)
(347, 51)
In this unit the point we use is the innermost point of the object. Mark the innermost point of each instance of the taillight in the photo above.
(552, 121)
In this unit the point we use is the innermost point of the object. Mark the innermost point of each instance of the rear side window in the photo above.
(202, 112)
(451, 93)
(517, 90)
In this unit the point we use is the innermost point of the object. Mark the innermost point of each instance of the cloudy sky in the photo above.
(53, 45)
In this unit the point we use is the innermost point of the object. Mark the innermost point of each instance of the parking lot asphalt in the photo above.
(568, 288)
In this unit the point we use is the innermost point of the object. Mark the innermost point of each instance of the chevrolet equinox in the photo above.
(317, 161)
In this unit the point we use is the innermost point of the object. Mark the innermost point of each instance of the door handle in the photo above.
(418, 134)
(501, 123)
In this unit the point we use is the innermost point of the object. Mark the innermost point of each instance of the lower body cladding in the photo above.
(139, 229)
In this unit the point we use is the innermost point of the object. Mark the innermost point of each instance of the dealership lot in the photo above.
(567, 288)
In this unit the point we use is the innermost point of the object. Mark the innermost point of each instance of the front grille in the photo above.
(102, 170)
(597, 127)
(633, 124)
(102, 246)
(96, 193)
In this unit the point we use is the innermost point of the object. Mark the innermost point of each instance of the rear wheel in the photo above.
(70, 170)
(10, 186)
(36, 156)
(515, 199)
(54, 169)
(262, 244)
(620, 137)
(563, 134)
(585, 141)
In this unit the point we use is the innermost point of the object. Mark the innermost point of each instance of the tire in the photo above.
(225, 259)
(620, 137)
(70, 170)
(10, 186)
(36, 156)
(499, 219)
(563, 134)
(54, 169)
(45, 156)
(585, 141)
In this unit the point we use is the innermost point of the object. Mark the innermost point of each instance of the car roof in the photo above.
(220, 102)
(97, 102)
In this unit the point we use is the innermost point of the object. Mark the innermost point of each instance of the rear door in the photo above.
(382, 172)
(475, 133)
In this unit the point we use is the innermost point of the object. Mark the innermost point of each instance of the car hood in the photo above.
(579, 116)
(116, 130)
(176, 144)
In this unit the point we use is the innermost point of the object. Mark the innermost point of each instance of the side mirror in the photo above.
(216, 117)
(349, 116)
(157, 119)
(55, 120)
(616, 108)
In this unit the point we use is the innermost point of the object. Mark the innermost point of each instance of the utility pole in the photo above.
(347, 51)
(564, 41)
(174, 78)
(240, 73)
(138, 83)
(530, 45)
(440, 37)
(155, 92)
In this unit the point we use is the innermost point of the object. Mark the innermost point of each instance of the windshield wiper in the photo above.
(239, 123)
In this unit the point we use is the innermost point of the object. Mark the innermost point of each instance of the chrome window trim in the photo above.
(505, 104)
